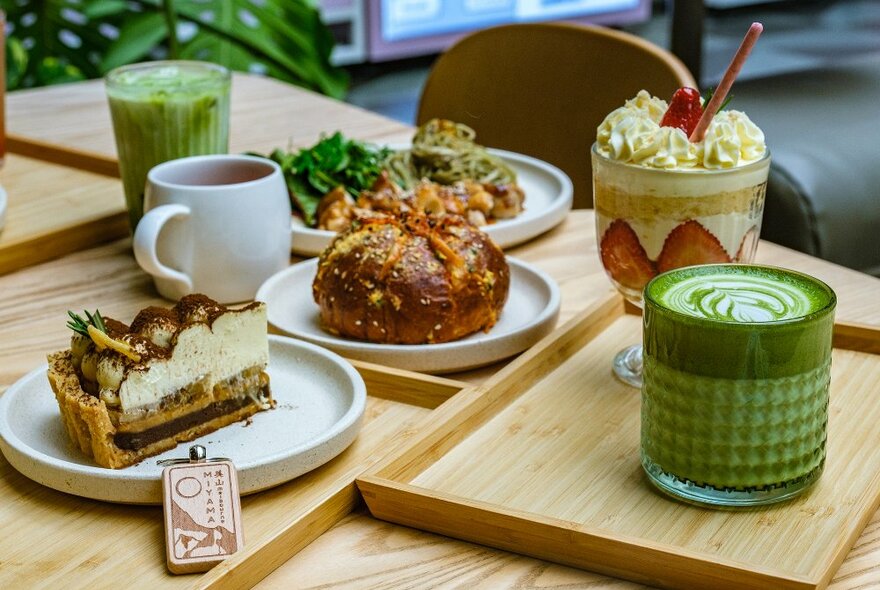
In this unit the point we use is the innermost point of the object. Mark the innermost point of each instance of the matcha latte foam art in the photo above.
(737, 367)
(740, 297)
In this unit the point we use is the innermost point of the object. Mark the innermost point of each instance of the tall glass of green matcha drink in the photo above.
(162, 111)
(737, 364)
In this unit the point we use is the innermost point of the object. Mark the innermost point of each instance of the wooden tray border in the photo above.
(258, 560)
(79, 235)
(38, 248)
(92, 228)
(63, 156)
(389, 495)
(336, 497)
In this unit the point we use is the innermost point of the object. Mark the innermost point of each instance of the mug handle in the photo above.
(146, 237)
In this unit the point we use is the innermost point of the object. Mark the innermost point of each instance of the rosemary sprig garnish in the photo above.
(81, 326)
(93, 327)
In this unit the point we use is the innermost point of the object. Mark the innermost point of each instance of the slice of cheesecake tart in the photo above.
(130, 392)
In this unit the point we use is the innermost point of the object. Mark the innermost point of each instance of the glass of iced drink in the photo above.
(165, 110)
(736, 377)
(664, 202)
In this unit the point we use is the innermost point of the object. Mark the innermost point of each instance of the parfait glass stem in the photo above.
(651, 220)
(628, 365)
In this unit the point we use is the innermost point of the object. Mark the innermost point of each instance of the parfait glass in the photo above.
(651, 220)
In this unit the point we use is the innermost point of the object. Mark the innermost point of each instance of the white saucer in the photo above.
(3, 205)
(530, 314)
(548, 192)
(321, 401)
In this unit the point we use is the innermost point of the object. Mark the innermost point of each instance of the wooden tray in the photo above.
(56, 540)
(54, 211)
(543, 460)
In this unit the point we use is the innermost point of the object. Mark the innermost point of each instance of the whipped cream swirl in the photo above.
(737, 298)
(632, 134)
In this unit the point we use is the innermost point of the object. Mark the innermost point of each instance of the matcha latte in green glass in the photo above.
(162, 111)
(737, 364)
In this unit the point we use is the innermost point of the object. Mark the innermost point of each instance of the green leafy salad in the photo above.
(333, 161)
(442, 151)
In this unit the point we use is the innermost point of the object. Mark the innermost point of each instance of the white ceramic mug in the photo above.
(218, 225)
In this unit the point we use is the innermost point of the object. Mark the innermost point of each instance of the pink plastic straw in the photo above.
(727, 81)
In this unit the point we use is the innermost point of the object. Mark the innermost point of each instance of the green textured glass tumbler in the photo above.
(737, 368)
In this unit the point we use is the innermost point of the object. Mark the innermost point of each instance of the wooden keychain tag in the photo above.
(202, 511)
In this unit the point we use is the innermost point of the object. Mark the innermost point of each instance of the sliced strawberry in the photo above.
(684, 110)
(747, 245)
(623, 256)
(688, 244)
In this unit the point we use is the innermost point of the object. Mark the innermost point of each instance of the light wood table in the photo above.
(71, 124)
(359, 551)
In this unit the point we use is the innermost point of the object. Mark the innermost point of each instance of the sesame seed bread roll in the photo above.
(411, 280)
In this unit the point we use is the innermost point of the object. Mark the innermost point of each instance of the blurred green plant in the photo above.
(55, 41)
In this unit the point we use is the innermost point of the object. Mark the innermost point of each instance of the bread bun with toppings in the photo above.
(411, 279)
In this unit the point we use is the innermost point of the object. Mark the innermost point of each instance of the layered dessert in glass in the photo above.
(664, 202)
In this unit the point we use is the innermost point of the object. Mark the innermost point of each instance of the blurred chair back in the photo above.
(543, 89)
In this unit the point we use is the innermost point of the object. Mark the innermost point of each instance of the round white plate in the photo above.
(3, 204)
(321, 400)
(529, 314)
(548, 199)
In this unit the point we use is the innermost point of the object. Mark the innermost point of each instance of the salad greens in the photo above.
(334, 161)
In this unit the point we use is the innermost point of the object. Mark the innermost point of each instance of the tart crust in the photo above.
(88, 420)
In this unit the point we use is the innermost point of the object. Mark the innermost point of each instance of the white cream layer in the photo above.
(632, 134)
(729, 228)
(236, 341)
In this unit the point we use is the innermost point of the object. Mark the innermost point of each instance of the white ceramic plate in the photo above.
(548, 199)
(321, 400)
(3, 204)
(530, 314)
